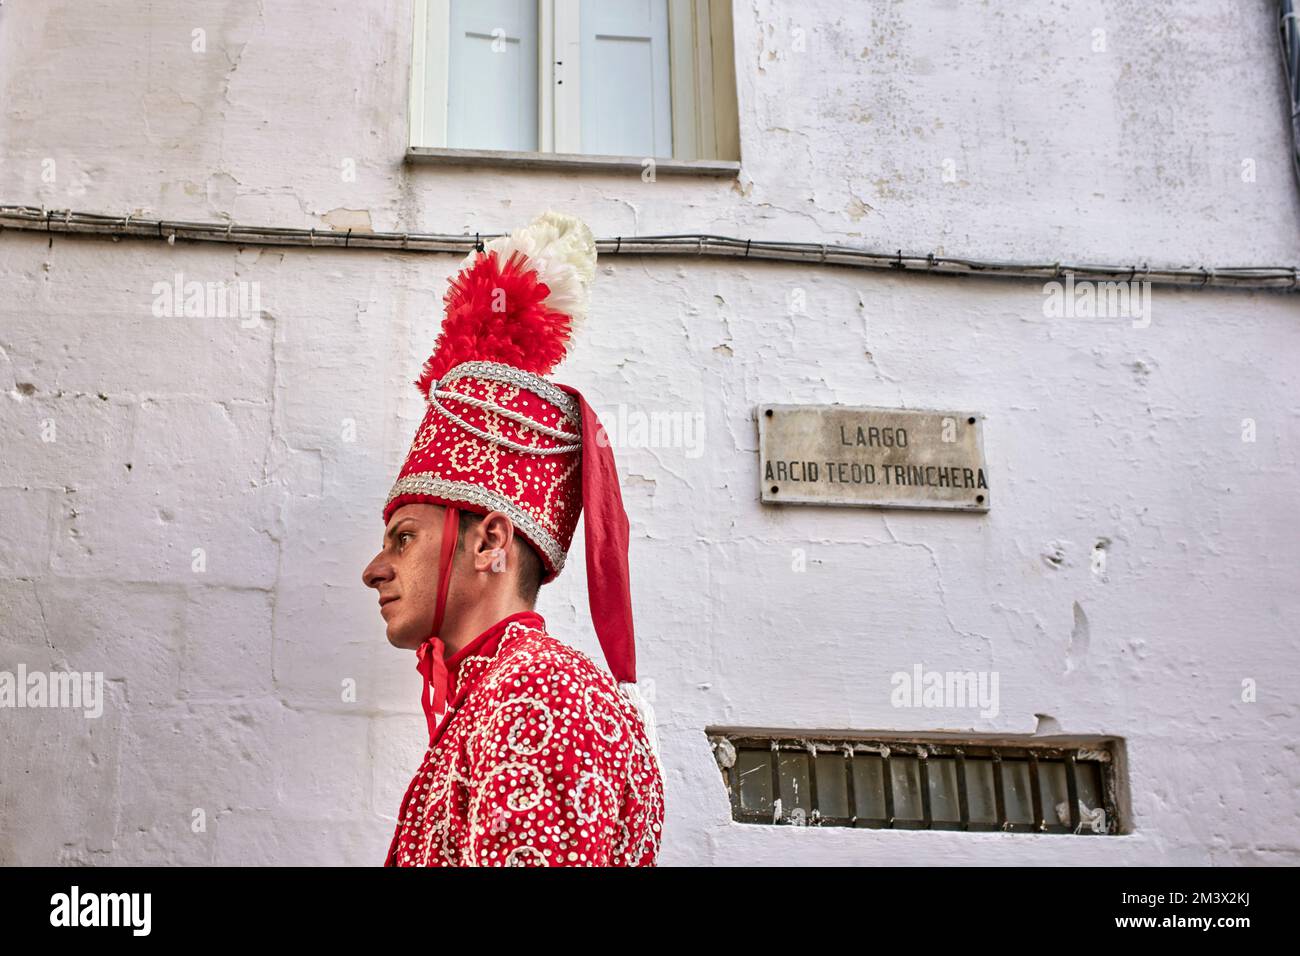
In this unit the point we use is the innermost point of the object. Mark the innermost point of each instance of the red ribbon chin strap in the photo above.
(450, 528)
(429, 655)
(606, 529)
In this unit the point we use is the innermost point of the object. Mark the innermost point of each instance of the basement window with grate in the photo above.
(911, 783)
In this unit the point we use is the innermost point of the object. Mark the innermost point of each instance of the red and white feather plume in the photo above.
(518, 301)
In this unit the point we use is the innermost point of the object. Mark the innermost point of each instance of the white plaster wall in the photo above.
(175, 434)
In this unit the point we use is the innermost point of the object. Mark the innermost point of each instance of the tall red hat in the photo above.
(496, 435)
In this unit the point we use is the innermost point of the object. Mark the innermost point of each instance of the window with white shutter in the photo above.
(627, 79)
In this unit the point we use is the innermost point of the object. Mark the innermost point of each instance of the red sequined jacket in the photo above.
(540, 761)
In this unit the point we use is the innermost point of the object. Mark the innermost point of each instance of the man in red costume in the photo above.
(537, 755)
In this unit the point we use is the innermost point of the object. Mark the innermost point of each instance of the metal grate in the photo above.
(911, 784)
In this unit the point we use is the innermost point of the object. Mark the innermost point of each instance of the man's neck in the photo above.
(473, 621)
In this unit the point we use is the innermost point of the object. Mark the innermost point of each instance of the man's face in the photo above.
(405, 573)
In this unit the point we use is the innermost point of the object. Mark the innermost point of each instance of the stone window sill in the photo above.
(431, 155)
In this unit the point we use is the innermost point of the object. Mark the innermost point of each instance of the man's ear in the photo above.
(492, 545)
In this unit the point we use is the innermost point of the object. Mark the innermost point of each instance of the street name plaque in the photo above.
(872, 457)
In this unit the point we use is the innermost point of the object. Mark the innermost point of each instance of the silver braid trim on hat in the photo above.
(514, 416)
(496, 439)
(498, 372)
(424, 483)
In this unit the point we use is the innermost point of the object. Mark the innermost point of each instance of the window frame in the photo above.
(701, 58)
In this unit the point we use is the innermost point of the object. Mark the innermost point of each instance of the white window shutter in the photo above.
(626, 101)
(492, 77)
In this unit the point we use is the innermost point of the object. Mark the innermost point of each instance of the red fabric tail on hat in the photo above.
(605, 521)
(428, 656)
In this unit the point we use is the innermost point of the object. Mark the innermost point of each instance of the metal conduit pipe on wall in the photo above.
(69, 222)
